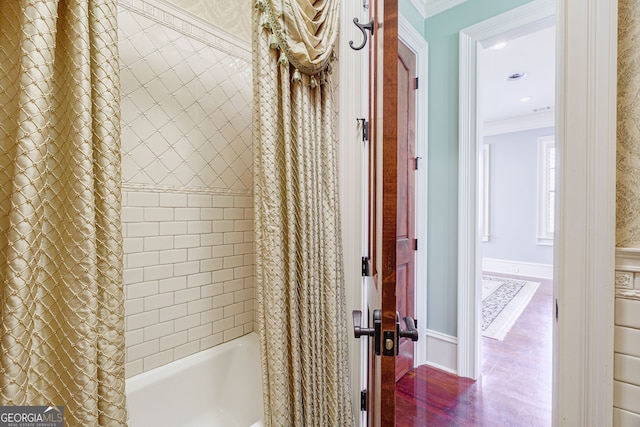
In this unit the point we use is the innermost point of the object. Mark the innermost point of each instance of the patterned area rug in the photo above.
(503, 301)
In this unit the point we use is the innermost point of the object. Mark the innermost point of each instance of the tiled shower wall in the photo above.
(232, 15)
(187, 184)
(626, 384)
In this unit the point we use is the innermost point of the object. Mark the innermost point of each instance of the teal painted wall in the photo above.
(409, 12)
(441, 32)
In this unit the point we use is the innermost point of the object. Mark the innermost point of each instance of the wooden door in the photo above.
(381, 288)
(406, 243)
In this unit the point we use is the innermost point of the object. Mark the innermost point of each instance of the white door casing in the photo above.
(584, 246)
(352, 92)
(585, 231)
(538, 13)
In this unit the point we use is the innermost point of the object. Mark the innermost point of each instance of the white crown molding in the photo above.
(433, 7)
(628, 273)
(174, 17)
(628, 259)
(520, 123)
(421, 7)
(429, 8)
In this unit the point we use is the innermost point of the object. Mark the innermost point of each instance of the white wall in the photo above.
(513, 198)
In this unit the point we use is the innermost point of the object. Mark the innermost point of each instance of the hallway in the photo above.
(514, 390)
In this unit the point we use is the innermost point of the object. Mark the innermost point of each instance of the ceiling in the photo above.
(530, 50)
(532, 54)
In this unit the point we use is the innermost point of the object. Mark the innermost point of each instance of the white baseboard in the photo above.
(442, 351)
(529, 269)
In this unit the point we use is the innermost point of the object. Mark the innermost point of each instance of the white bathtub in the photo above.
(220, 386)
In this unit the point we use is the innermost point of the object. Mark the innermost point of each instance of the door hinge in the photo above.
(365, 129)
(363, 400)
(556, 309)
(415, 86)
(365, 266)
(416, 162)
(415, 244)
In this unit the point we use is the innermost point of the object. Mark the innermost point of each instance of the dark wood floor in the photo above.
(514, 389)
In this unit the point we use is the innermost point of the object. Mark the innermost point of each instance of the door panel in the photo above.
(383, 204)
(383, 207)
(405, 243)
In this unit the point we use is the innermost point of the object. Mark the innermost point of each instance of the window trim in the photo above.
(544, 230)
(484, 200)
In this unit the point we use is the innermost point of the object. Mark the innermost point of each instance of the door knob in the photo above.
(375, 332)
(411, 331)
(358, 330)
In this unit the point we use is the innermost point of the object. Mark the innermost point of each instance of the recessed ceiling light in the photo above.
(498, 46)
(547, 108)
(525, 99)
(516, 76)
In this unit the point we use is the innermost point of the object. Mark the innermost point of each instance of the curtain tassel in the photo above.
(264, 22)
(273, 42)
(313, 83)
(283, 59)
(324, 77)
(333, 58)
(297, 77)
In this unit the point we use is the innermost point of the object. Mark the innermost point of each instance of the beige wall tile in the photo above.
(628, 313)
(626, 396)
(187, 214)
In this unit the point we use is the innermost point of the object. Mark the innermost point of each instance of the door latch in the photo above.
(390, 342)
(359, 331)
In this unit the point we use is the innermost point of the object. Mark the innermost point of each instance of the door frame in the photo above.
(536, 13)
(352, 92)
(584, 246)
(414, 41)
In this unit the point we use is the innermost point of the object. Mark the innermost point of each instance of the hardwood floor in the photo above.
(514, 389)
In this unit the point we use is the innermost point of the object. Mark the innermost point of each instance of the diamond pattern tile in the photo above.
(186, 109)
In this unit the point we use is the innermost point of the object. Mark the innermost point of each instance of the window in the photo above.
(546, 189)
(484, 201)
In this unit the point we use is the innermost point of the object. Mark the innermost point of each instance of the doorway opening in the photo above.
(510, 25)
(516, 217)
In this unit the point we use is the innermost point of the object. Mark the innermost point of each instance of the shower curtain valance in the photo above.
(304, 30)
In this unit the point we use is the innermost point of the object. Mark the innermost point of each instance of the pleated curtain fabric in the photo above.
(300, 285)
(62, 302)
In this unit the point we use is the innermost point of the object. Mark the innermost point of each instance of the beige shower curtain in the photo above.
(301, 312)
(60, 241)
